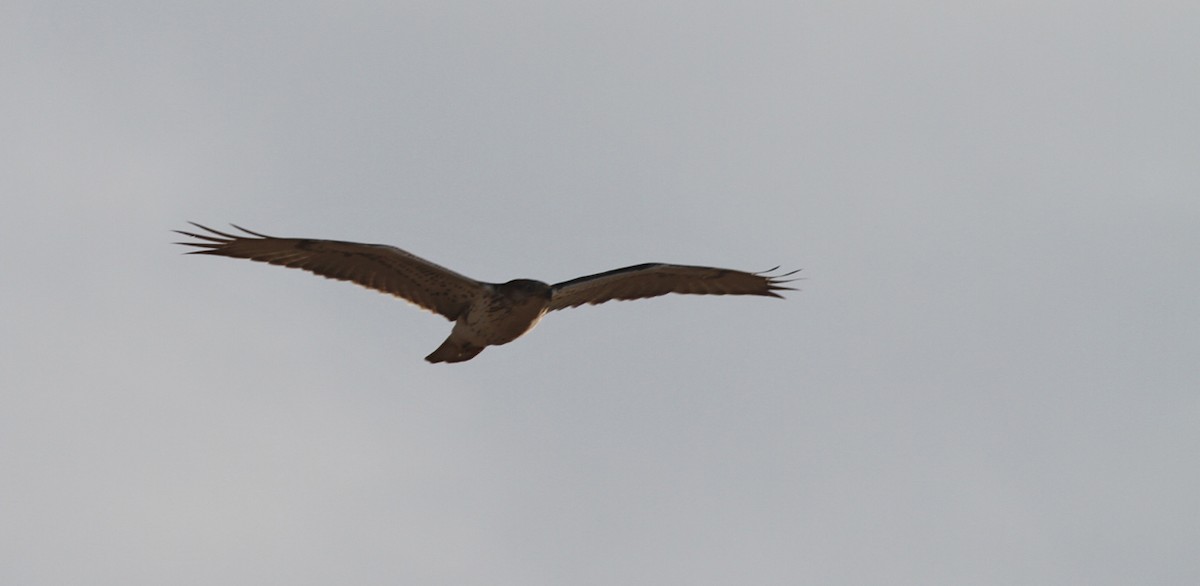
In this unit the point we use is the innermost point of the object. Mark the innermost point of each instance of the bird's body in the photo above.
(484, 314)
(502, 313)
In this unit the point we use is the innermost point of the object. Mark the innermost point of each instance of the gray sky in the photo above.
(990, 376)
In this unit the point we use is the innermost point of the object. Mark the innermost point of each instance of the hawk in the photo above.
(484, 314)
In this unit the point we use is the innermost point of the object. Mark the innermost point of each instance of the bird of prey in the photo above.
(484, 314)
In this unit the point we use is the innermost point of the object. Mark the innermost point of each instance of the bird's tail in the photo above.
(454, 351)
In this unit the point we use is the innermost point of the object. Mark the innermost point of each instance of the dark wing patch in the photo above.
(654, 279)
(375, 266)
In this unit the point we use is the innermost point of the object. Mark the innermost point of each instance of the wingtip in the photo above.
(207, 229)
(250, 232)
(773, 291)
(201, 226)
(767, 273)
(776, 282)
(212, 237)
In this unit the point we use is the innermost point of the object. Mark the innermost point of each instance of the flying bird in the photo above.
(484, 314)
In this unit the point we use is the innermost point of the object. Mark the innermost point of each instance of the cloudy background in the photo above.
(990, 376)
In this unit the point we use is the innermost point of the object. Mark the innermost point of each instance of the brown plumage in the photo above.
(484, 314)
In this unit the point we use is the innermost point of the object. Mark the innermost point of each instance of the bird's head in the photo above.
(524, 288)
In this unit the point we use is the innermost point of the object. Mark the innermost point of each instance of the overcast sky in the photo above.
(991, 375)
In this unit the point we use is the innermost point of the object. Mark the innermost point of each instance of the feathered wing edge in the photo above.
(376, 266)
(654, 279)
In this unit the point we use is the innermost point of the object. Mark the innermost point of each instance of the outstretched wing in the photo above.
(654, 279)
(375, 266)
